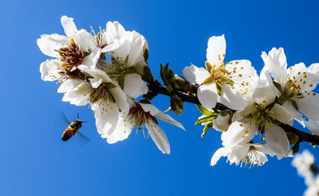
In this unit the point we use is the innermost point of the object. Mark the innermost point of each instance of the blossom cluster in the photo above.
(108, 71)
(257, 105)
(80, 64)
(308, 169)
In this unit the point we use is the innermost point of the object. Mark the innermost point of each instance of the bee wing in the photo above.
(83, 138)
(65, 120)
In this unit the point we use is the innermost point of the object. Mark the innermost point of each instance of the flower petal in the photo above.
(106, 116)
(207, 95)
(68, 25)
(195, 75)
(159, 137)
(221, 152)
(309, 106)
(134, 86)
(277, 140)
(216, 50)
(282, 114)
(123, 130)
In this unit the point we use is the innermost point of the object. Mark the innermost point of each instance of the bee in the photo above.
(73, 128)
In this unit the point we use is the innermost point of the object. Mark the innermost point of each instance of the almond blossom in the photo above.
(140, 115)
(261, 114)
(249, 154)
(227, 83)
(295, 85)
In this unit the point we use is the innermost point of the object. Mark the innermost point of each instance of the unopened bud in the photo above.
(177, 104)
(221, 122)
(170, 76)
(293, 138)
(179, 82)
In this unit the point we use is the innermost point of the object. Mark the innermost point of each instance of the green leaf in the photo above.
(294, 104)
(121, 81)
(219, 89)
(204, 110)
(205, 119)
(208, 126)
(278, 86)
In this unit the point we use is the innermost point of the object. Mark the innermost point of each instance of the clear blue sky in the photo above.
(33, 159)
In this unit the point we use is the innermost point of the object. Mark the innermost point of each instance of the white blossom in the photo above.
(260, 114)
(249, 154)
(140, 115)
(227, 83)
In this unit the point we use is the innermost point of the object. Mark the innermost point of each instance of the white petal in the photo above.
(264, 148)
(221, 152)
(158, 114)
(314, 68)
(48, 44)
(158, 136)
(265, 95)
(134, 86)
(294, 113)
(69, 85)
(68, 25)
(232, 98)
(239, 132)
(309, 106)
(50, 70)
(207, 95)
(277, 140)
(277, 64)
(313, 126)
(216, 49)
(106, 116)
(123, 130)
(237, 153)
(282, 114)
(195, 75)
(120, 98)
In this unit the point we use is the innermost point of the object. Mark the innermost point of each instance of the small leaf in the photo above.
(205, 119)
(278, 86)
(121, 81)
(208, 126)
(294, 104)
(204, 110)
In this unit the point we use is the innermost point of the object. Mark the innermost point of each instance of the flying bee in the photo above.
(73, 128)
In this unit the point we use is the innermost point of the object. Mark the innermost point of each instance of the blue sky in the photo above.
(34, 160)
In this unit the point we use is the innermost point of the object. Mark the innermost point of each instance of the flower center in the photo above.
(98, 38)
(100, 92)
(218, 74)
(72, 56)
(139, 116)
(292, 85)
(262, 117)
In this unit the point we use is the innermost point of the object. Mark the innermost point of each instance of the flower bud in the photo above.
(177, 104)
(179, 82)
(293, 138)
(222, 121)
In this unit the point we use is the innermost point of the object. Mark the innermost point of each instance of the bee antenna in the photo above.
(78, 115)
